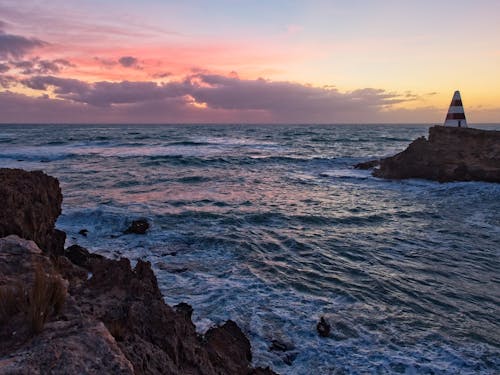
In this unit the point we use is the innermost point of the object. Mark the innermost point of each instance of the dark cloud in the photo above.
(162, 75)
(128, 61)
(16, 46)
(62, 86)
(39, 66)
(274, 101)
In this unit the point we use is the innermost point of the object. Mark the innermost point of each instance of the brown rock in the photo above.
(450, 154)
(31, 203)
(228, 348)
(141, 334)
(68, 343)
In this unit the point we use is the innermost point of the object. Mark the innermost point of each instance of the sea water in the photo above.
(270, 226)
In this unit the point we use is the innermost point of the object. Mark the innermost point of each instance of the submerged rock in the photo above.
(450, 154)
(278, 345)
(323, 327)
(83, 232)
(30, 205)
(138, 227)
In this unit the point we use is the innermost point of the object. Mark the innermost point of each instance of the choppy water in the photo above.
(271, 227)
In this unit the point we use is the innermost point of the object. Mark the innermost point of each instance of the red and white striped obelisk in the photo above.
(456, 114)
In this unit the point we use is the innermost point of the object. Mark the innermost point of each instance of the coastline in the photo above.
(112, 317)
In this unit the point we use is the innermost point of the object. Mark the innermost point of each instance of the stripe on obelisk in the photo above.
(455, 116)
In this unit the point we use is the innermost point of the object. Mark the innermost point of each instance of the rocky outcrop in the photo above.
(69, 343)
(449, 154)
(30, 204)
(107, 317)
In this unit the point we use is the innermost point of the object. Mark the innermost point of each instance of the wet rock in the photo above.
(31, 203)
(367, 164)
(138, 227)
(450, 154)
(77, 255)
(80, 256)
(184, 309)
(228, 348)
(323, 327)
(277, 345)
(83, 232)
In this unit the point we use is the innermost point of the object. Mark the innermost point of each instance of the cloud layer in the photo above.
(16, 46)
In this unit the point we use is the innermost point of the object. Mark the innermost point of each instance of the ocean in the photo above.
(270, 226)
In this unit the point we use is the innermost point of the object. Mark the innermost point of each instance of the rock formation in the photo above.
(30, 203)
(112, 319)
(138, 227)
(449, 154)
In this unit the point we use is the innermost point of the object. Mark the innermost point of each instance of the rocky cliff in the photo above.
(449, 154)
(92, 315)
(30, 203)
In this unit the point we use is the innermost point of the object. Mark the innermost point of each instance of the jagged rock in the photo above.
(77, 255)
(323, 327)
(450, 154)
(31, 203)
(228, 348)
(184, 309)
(113, 320)
(138, 227)
(68, 344)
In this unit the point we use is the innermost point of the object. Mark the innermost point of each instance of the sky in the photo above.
(253, 61)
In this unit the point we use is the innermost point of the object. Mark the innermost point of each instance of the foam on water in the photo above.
(271, 227)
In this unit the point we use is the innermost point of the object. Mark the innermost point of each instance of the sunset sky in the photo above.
(153, 61)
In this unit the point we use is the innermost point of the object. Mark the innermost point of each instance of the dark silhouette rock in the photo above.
(138, 227)
(79, 255)
(450, 154)
(83, 232)
(30, 205)
(281, 346)
(184, 309)
(323, 327)
(367, 164)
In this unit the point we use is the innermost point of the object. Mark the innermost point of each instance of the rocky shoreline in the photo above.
(449, 154)
(71, 311)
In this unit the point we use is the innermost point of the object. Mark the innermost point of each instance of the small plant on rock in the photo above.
(46, 297)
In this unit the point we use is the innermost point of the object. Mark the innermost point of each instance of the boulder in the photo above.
(30, 205)
(449, 154)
